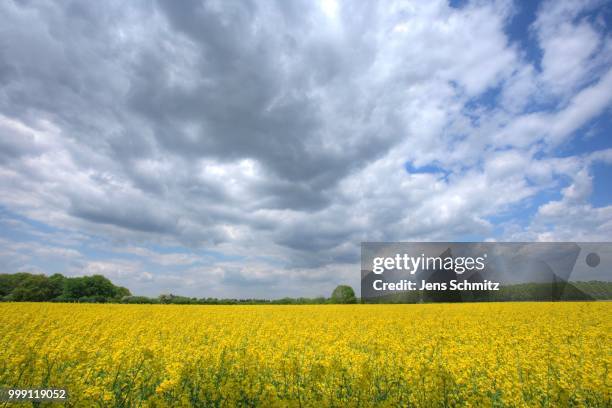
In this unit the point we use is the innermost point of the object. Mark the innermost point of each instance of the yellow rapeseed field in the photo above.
(488, 354)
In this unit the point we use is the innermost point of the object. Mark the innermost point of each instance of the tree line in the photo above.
(27, 287)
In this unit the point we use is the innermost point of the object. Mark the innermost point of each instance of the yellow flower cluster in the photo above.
(434, 355)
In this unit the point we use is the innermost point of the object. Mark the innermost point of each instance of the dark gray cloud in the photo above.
(257, 90)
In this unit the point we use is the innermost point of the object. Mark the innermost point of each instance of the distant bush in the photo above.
(93, 299)
(343, 294)
(138, 300)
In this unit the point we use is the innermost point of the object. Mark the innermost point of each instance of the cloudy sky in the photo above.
(246, 148)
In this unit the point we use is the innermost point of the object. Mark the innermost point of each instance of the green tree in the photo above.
(75, 288)
(343, 294)
(96, 286)
(8, 282)
(120, 292)
(35, 288)
(56, 282)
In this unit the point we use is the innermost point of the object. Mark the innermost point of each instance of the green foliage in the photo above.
(8, 282)
(121, 292)
(138, 300)
(592, 290)
(35, 288)
(27, 287)
(176, 300)
(90, 286)
(343, 294)
(596, 289)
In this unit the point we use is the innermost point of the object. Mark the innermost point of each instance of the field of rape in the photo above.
(488, 354)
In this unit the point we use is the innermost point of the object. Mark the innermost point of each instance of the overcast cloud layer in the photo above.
(245, 149)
